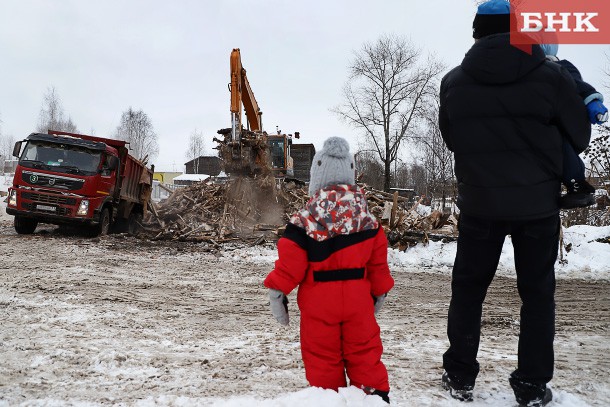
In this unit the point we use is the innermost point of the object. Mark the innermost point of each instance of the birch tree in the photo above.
(136, 128)
(196, 148)
(52, 116)
(7, 142)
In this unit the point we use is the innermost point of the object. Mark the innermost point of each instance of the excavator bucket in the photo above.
(247, 157)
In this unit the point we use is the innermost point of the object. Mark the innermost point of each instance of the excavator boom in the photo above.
(241, 93)
(246, 151)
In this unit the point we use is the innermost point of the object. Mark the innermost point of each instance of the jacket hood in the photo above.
(335, 210)
(494, 60)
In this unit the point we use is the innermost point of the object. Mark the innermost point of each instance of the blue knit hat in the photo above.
(550, 49)
(332, 165)
(493, 17)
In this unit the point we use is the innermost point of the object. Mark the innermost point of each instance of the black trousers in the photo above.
(480, 242)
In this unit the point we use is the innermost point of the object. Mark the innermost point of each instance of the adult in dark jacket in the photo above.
(503, 113)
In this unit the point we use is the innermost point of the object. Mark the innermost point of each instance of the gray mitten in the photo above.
(279, 306)
(378, 301)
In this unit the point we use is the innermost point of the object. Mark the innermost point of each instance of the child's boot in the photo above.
(580, 194)
(385, 395)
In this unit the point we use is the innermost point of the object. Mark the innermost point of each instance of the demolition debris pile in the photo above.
(255, 210)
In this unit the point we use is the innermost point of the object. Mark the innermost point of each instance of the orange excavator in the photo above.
(249, 150)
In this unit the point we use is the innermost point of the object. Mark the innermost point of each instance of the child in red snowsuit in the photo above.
(336, 252)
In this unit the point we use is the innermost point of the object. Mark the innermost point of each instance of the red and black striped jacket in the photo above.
(334, 238)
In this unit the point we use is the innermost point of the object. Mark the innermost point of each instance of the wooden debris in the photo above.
(255, 211)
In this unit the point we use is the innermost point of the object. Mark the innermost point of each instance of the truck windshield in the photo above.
(60, 157)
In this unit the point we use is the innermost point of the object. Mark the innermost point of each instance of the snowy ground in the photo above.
(116, 320)
(91, 322)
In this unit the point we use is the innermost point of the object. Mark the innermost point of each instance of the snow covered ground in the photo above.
(119, 321)
(587, 258)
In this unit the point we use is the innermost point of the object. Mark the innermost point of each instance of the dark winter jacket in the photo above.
(504, 113)
(586, 91)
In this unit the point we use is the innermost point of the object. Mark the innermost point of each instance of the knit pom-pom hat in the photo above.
(332, 165)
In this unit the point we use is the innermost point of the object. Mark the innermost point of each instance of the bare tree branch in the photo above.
(196, 148)
(51, 116)
(606, 71)
(388, 85)
(137, 129)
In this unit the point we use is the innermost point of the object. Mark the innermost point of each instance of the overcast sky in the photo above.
(171, 59)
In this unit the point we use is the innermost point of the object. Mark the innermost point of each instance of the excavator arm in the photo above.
(242, 94)
(247, 151)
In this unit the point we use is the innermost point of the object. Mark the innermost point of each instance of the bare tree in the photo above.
(598, 155)
(606, 71)
(137, 129)
(418, 178)
(385, 93)
(7, 142)
(196, 148)
(368, 169)
(402, 174)
(51, 115)
(437, 159)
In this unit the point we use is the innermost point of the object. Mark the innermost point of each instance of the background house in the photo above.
(302, 156)
(189, 179)
(210, 165)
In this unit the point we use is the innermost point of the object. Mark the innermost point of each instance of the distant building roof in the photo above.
(191, 177)
(203, 157)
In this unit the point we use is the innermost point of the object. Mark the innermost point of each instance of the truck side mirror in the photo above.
(17, 149)
(112, 163)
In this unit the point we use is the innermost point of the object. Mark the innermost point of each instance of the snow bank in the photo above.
(351, 397)
(586, 259)
(5, 182)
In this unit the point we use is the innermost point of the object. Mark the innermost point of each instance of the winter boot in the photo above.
(530, 394)
(457, 390)
(580, 194)
(385, 395)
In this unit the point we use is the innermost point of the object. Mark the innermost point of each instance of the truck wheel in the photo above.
(134, 222)
(104, 225)
(101, 228)
(25, 226)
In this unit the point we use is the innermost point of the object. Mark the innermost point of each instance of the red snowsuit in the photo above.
(336, 252)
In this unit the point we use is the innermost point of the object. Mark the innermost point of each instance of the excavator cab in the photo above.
(281, 161)
(277, 148)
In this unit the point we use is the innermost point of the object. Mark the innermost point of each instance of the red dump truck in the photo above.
(78, 180)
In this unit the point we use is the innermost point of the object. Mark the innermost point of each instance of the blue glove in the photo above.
(598, 113)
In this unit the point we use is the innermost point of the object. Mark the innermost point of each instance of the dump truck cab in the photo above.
(65, 178)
